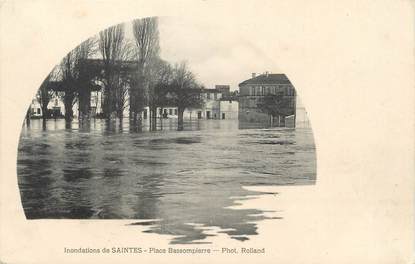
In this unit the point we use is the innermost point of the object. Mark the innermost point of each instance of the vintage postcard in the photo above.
(207, 132)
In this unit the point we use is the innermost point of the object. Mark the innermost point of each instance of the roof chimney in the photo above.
(266, 73)
(253, 75)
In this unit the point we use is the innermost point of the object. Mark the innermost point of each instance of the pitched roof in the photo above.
(271, 78)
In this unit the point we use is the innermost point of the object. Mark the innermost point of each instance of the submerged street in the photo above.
(181, 181)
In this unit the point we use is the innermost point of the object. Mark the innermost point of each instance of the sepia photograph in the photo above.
(257, 131)
(129, 125)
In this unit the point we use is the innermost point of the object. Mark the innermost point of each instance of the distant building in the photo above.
(215, 105)
(35, 109)
(55, 108)
(211, 108)
(228, 108)
(225, 90)
(301, 116)
(251, 92)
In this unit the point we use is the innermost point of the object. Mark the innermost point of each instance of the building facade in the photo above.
(225, 90)
(229, 108)
(215, 106)
(253, 91)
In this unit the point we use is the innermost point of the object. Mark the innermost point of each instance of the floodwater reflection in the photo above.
(182, 183)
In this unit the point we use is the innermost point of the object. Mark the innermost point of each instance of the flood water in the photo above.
(180, 180)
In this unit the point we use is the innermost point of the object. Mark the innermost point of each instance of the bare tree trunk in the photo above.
(136, 122)
(147, 42)
(161, 118)
(28, 117)
(68, 124)
(44, 113)
(120, 126)
(68, 103)
(84, 103)
(153, 118)
(180, 125)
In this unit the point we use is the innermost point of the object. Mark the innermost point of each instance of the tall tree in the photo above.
(146, 37)
(76, 81)
(112, 47)
(84, 76)
(44, 95)
(159, 74)
(184, 91)
(28, 113)
(123, 76)
(68, 82)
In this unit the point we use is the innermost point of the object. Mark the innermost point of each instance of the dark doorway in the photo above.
(199, 115)
(223, 115)
(207, 114)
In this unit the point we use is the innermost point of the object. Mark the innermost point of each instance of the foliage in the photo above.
(275, 105)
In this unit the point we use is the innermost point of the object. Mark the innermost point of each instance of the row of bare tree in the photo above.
(130, 72)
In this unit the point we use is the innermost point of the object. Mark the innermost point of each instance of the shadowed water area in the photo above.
(182, 183)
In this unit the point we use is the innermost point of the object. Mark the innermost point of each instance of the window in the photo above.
(208, 95)
(38, 111)
(145, 113)
(175, 111)
(215, 95)
(170, 111)
(259, 90)
(165, 111)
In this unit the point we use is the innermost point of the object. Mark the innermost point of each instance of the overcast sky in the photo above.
(216, 53)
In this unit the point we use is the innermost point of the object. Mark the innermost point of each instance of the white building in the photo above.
(301, 119)
(228, 109)
(211, 108)
(55, 106)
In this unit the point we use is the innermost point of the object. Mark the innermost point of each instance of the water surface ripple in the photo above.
(184, 182)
